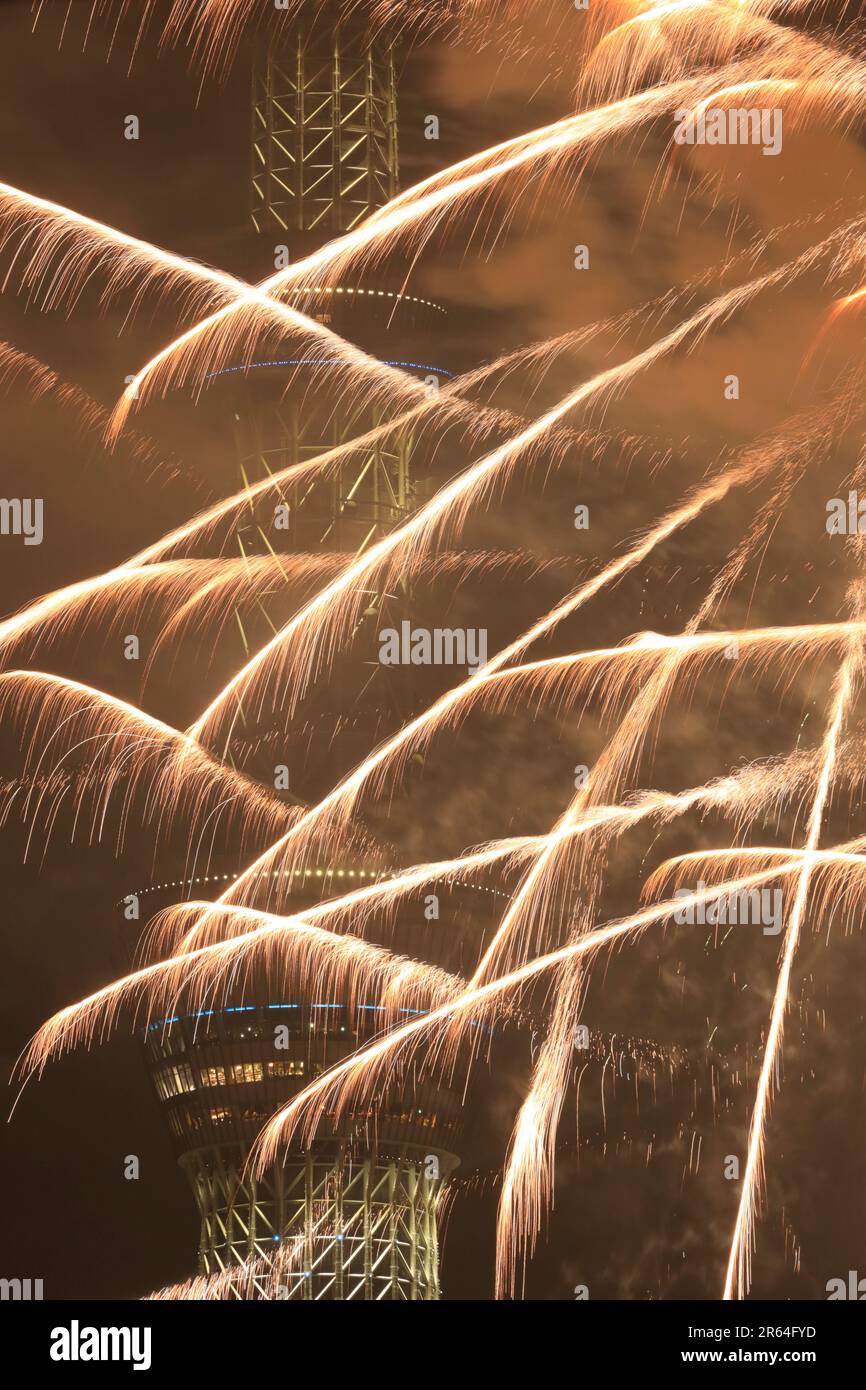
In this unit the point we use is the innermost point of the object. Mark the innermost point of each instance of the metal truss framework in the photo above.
(320, 1227)
(358, 503)
(324, 132)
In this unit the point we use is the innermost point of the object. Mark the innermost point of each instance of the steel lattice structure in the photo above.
(324, 157)
(366, 496)
(352, 1216)
(356, 1212)
(356, 1230)
(324, 138)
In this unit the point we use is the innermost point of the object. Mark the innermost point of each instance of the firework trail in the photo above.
(61, 250)
(207, 962)
(117, 734)
(206, 959)
(806, 72)
(41, 382)
(739, 1271)
(737, 50)
(345, 1083)
(528, 1184)
(614, 668)
(95, 240)
(738, 1276)
(320, 621)
(173, 363)
(776, 274)
(207, 591)
(212, 30)
(64, 604)
(338, 963)
(326, 818)
(94, 597)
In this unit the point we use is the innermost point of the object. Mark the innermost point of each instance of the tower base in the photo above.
(321, 1225)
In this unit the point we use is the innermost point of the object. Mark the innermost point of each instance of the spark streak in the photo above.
(738, 1274)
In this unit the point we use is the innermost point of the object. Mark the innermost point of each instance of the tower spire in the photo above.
(324, 129)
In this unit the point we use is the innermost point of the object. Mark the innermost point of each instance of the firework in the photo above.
(638, 68)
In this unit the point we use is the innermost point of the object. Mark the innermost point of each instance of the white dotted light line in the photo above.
(374, 294)
(298, 873)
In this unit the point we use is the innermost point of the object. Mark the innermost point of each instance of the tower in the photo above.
(351, 1219)
(354, 1215)
(324, 129)
(324, 156)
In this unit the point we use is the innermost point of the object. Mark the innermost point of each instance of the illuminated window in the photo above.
(285, 1068)
(175, 1081)
(213, 1076)
(183, 1078)
(246, 1072)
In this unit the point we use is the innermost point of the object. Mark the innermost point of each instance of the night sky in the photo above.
(642, 1210)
